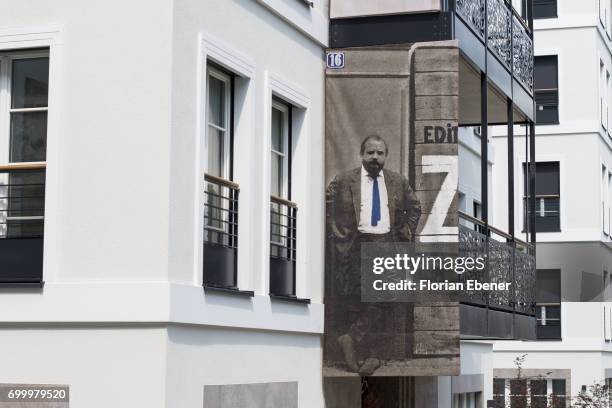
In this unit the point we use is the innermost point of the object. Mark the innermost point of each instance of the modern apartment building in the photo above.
(161, 210)
(163, 197)
(573, 62)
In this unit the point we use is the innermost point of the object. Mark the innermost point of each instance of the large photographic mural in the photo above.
(391, 174)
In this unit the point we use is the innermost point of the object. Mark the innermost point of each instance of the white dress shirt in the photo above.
(365, 216)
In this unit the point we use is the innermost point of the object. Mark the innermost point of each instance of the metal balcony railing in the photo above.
(22, 200)
(283, 249)
(507, 259)
(507, 36)
(22, 219)
(220, 231)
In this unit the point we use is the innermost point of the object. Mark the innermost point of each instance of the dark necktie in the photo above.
(375, 203)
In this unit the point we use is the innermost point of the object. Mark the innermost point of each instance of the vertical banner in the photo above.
(391, 174)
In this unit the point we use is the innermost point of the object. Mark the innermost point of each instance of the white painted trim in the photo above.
(310, 21)
(226, 56)
(52, 38)
(288, 91)
(157, 303)
(16, 38)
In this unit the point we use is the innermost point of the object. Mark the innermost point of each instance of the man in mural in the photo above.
(365, 204)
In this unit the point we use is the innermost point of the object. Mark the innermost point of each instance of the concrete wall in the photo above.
(198, 357)
(103, 366)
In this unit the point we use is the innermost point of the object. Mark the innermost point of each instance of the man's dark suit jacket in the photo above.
(343, 207)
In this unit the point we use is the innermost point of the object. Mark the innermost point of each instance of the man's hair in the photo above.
(376, 138)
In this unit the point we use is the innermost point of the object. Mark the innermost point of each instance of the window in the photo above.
(604, 84)
(221, 194)
(283, 212)
(609, 196)
(546, 85)
(499, 393)
(466, 400)
(558, 393)
(548, 304)
(477, 213)
(547, 197)
(607, 95)
(279, 186)
(529, 392)
(604, 200)
(544, 8)
(24, 85)
(219, 130)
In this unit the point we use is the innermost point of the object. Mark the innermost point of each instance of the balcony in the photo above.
(496, 38)
(220, 233)
(22, 209)
(497, 314)
(283, 249)
(493, 38)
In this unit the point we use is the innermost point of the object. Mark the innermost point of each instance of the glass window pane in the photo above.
(215, 151)
(558, 387)
(553, 312)
(499, 386)
(30, 83)
(548, 287)
(276, 187)
(518, 387)
(216, 101)
(545, 72)
(277, 130)
(28, 136)
(537, 387)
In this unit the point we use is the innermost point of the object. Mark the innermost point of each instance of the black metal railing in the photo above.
(22, 201)
(220, 231)
(283, 249)
(507, 35)
(507, 259)
(22, 219)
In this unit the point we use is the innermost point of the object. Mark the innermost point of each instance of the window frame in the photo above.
(285, 186)
(540, 196)
(228, 137)
(554, 91)
(609, 198)
(608, 93)
(6, 109)
(36, 253)
(605, 204)
(7, 58)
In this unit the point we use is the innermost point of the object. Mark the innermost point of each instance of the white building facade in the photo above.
(139, 123)
(573, 62)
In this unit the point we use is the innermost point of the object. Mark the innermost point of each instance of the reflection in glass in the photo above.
(216, 140)
(277, 130)
(30, 83)
(216, 101)
(28, 136)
